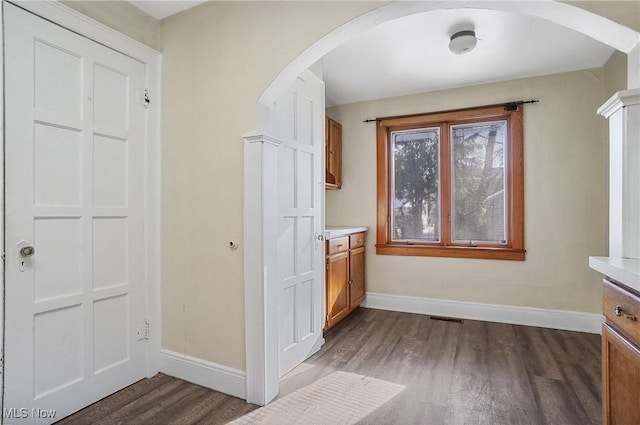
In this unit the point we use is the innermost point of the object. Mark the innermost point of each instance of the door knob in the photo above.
(27, 251)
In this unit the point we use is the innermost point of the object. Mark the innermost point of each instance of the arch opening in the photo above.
(262, 380)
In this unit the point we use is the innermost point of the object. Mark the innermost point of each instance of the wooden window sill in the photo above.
(332, 186)
(489, 253)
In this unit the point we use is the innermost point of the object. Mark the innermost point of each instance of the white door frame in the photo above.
(2, 211)
(68, 18)
(261, 333)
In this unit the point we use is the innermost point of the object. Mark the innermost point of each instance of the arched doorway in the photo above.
(260, 302)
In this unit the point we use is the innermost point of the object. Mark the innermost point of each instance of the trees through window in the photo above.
(451, 184)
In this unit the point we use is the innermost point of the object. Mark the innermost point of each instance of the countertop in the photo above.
(623, 270)
(331, 232)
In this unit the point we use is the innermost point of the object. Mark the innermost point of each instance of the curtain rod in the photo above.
(509, 106)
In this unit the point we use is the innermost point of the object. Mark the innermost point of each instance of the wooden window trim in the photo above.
(513, 249)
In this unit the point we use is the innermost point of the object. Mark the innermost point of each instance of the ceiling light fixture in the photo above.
(463, 42)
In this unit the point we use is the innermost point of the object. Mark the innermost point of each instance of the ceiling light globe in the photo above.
(463, 42)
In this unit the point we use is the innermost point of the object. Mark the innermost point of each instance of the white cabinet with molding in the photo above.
(623, 112)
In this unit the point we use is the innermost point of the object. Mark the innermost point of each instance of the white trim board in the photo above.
(207, 374)
(530, 316)
(2, 207)
(79, 23)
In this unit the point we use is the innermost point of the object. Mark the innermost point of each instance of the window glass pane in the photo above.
(478, 186)
(415, 185)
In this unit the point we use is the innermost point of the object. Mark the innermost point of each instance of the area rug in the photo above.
(341, 398)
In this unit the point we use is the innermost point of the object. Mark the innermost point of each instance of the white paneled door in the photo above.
(74, 220)
(298, 122)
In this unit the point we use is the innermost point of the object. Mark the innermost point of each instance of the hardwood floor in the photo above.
(473, 372)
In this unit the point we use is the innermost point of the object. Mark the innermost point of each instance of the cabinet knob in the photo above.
(618, 311)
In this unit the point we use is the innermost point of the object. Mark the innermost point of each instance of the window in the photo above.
(450, 184)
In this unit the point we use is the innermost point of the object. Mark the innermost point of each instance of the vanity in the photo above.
(621, 269)
(345, 281)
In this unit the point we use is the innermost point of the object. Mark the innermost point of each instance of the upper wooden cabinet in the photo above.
(333, 151)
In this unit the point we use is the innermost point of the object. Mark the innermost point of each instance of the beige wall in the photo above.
(121, 16)
(626, 13)
(565, 197)
(633, 68)
(615, 74)
(217, 60)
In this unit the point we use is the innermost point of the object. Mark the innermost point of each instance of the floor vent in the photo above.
(446, 319)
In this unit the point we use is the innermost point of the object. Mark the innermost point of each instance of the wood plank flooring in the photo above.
(472, 373)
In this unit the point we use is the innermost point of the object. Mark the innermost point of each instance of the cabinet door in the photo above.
(356, 274)
(620, 379)
(334, 151)
(337, 288)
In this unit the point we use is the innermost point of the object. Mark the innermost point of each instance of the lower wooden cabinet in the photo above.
(620, 356)
(620, 379)
(345, 286)
(356, 277)
(337, 288)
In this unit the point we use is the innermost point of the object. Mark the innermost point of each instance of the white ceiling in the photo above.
(162, 9)
(411, 54)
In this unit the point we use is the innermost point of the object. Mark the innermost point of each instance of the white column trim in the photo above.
(260, 266)
(258, 137)
(618, 101)
(623, 112)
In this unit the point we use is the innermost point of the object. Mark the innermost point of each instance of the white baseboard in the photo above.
(208, 374)
(540, 317)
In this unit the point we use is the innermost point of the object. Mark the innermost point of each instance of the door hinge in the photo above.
(327, 318)
(327, 266)
(4, 255)
(145, 98)
(143, 331)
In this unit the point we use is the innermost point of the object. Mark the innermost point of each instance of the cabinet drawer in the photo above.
(622, 310)
(356, 240)
(337, 245)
